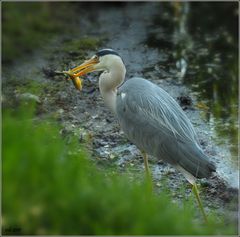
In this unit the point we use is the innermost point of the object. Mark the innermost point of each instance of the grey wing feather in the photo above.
(154, 121)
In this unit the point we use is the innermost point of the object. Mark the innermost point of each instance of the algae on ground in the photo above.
(82, 44)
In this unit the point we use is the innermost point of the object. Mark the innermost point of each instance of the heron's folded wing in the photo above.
(156, 123)
(157, 108)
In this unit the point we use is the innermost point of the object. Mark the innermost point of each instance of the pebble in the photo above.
(28, 97)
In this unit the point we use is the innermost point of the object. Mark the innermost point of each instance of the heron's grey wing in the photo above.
(154, 121)
(145, 103)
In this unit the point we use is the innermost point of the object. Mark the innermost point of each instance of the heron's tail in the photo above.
(195, 162)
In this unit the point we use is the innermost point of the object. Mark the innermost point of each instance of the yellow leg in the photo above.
(196, 193)
(147, 170)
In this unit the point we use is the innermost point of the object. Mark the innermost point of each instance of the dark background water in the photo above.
(204, 36)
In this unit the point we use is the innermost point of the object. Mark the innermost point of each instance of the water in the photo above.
(204, 56)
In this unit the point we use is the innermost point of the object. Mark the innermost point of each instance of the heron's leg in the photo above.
(196, 193)
(147, 170)
(145, 158)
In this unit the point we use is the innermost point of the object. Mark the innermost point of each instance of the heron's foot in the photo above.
(148, 173)
(196, 193)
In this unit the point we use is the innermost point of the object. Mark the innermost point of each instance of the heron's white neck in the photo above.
(109, 81)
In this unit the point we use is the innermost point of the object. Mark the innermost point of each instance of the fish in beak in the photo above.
(77, 81)
(86, 67)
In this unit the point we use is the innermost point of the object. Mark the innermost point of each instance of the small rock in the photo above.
(169, 171)
(87, 114)
(111, 156)
(60, 111)
(158, 184)
(213, 191)
(3, 99)
(62, 95)
(28, 97)
(205, 183)
(184, 100)
(160, 162)
(49, 73)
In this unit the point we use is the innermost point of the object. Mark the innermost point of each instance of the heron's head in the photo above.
(103, 60)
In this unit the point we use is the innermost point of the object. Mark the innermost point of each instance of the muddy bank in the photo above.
(84, 115)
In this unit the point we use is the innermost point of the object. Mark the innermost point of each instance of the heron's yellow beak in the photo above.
(84, 68)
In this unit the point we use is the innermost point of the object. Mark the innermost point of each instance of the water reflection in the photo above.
(217, 77)
(202, 44)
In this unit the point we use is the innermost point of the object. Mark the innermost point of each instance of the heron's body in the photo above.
(149, 116)
(155, 122)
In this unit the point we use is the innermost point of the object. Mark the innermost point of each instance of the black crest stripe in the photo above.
(105, 52)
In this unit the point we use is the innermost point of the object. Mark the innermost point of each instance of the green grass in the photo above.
(77, 48)
(51, 187)
(84, 43)
(27, 26)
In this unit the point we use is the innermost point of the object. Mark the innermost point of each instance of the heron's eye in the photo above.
(96, 57)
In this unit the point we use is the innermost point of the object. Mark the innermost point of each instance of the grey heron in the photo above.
(149, 117)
